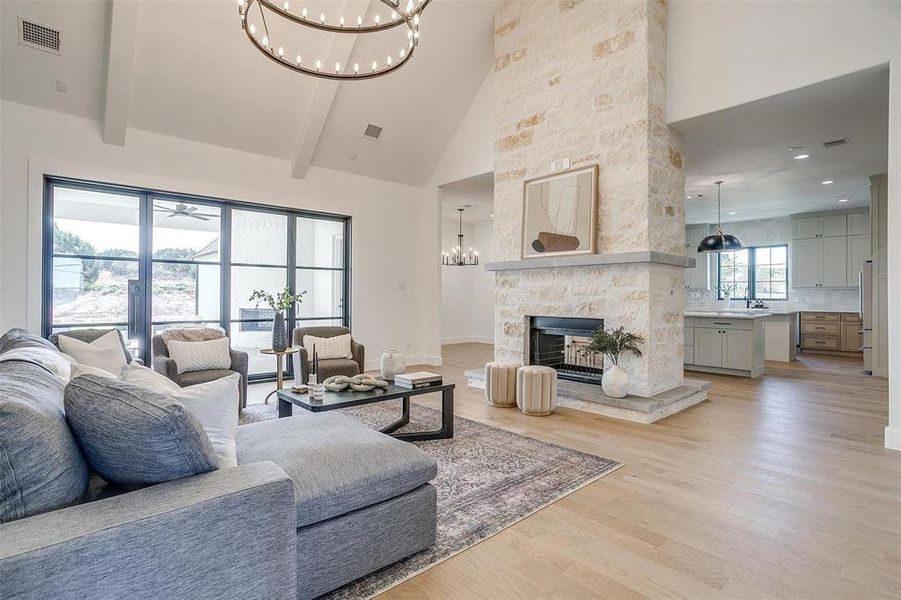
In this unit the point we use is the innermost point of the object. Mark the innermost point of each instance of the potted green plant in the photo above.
(726, 289)
(612, 344)
(280, 304)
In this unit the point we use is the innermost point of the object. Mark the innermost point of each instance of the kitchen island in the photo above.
(726, 342)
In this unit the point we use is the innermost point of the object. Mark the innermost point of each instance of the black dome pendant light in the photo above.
(719, 242)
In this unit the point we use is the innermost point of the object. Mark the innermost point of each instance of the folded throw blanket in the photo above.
(192, 334)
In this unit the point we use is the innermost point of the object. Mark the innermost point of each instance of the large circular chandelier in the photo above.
(407, 15)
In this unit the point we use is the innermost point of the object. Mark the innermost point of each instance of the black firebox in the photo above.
(558, 341)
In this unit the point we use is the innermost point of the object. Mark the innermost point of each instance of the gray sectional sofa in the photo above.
(315, 502)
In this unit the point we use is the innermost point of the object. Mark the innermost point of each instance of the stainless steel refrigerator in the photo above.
(866, 314)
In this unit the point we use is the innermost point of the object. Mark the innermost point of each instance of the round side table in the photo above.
(279, 367)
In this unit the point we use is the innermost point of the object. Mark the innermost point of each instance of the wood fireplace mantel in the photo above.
(591, 260)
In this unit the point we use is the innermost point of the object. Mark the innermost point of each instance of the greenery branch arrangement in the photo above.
(613, 343)
(726, 289)
(281, 302)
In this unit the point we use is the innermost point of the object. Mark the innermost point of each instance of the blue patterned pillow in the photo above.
(132, 436)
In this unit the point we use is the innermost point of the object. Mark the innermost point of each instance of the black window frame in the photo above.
(146, 260)
(752, 274)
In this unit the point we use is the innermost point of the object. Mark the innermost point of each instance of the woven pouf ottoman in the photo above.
(500, 384)
(536, 390)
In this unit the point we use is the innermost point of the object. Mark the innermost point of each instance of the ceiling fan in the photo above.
(182, 210)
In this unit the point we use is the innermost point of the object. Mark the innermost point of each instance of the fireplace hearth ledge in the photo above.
(637, 409)
(590, 260)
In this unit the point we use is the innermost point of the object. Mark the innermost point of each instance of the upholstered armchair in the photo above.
(164, 364)
(335, 366)
(89, 335)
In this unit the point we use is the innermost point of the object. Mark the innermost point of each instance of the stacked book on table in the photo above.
(419, 379)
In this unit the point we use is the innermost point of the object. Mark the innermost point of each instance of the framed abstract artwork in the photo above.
(559, 213)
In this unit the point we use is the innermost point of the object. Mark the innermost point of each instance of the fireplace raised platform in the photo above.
(638, 409)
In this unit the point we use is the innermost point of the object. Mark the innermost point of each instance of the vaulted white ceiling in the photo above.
(184, 68)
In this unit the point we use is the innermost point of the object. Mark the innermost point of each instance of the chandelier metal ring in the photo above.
(264, 44)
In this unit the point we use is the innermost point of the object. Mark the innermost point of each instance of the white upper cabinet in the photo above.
(697, 277)
(834, 226)
(806, 229)
(859, 224)
(835, 262)
(818, 227)
(825, 251)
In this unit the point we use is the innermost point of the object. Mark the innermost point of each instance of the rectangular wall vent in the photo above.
(372, 132)
(834, 143)
(40, 37)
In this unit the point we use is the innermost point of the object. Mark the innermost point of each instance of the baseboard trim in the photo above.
(467, 339)
(892, 438)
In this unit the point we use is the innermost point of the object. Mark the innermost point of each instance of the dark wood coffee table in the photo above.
(287, 400)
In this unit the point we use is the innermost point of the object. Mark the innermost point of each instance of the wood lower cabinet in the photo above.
(831, 332)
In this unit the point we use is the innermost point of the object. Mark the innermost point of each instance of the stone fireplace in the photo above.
(582, 82)
(558, 342)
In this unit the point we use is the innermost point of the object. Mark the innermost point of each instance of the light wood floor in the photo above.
(774, 488)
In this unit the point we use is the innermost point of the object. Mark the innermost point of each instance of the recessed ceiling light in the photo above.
(688, 197)
(733, 213)
(843, 199)
(827, 182)
(491, 215)
(801, 156)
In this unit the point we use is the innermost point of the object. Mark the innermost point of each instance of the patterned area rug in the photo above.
(488, 479)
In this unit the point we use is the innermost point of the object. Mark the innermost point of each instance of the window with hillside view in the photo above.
(142, 262)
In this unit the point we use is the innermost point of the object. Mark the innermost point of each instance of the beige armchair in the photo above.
(165, 365)
(335, 366)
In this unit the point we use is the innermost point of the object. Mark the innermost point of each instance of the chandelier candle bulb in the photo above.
(266, 40)
(322, 18)
(318, 65)
(341, 21)
(359, 21)
(303, 13)
(356, 68)
(374, 65)
(253, 29)
(389, 61)
(298, 59)
(337, 67)
(287, 6)
(281, 52)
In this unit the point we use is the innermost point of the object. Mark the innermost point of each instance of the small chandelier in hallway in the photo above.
(457, 257)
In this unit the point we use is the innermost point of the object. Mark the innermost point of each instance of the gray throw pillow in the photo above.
(41, 467)
(132, 436)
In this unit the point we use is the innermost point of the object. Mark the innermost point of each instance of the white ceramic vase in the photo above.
(615, 381)
(392, 363)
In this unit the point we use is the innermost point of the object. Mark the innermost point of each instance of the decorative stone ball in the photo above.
(500, 384)
(536, 390)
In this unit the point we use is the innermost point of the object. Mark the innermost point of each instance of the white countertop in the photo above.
(690, 312)
(730, 314)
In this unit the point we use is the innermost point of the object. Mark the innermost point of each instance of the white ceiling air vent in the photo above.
(834, 143)
(40, 37)
(372, 132)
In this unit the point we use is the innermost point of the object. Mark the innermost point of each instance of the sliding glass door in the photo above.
(143, 261)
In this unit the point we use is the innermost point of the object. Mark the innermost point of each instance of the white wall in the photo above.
(469, 153)
(390, 221)
(467, 293)
(722, 54)
(771, 232)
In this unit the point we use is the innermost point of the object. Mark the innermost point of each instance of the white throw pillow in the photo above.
(215, 404)
(200, 356)
(326, 348)
(77, 369)
(103, 353)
